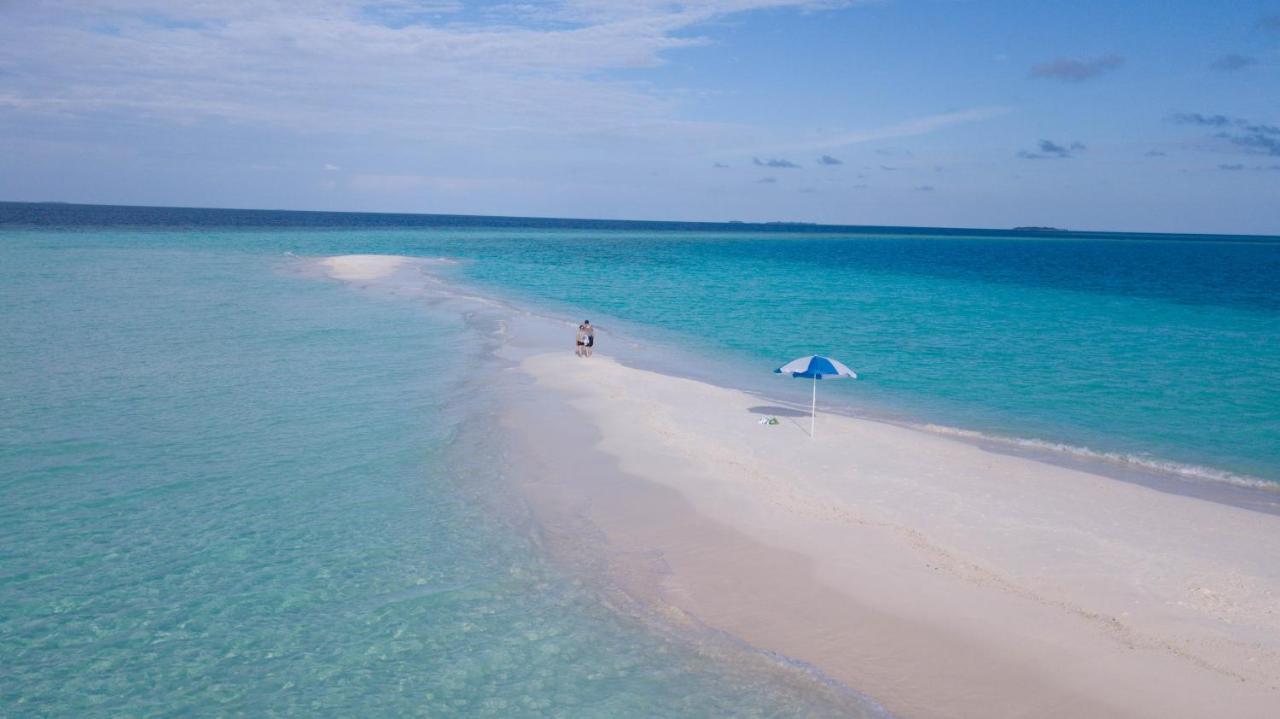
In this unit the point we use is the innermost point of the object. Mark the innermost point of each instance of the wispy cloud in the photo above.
(1077, 70)
(829, 160)
(775, 162)
(1237, 167)
(1249, 136)
(909, 128)
(417, 68)
(1232, 62)
(1195, 118)
(767, 180)
(1050, 150)
(720, 166)
(925, 188)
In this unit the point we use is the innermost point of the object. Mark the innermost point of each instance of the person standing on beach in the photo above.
(580, 341)
(590, 331)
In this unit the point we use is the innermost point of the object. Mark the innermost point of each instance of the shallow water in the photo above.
(227, 488)
(1159, 349)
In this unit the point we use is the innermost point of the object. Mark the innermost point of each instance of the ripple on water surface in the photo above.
(228, 490)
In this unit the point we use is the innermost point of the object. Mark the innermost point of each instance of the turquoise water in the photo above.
(1163, 352)
(226, 488)
(1152, 349)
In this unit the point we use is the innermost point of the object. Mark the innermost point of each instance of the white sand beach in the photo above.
(941, 579)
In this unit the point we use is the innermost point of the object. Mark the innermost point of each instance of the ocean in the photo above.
(227, 487)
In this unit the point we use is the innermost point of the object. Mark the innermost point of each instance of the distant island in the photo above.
(1033, 228)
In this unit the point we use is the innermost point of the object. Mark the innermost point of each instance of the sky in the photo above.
(1089, 114)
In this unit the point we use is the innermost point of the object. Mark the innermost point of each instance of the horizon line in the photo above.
(1020, 230)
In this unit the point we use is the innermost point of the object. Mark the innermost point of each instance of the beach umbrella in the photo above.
(817, 368)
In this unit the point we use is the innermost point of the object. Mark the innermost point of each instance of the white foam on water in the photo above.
(1179, 469)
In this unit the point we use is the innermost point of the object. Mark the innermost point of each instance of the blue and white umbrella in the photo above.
(817, 368)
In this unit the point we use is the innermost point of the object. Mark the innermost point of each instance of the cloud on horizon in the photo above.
(775, 162)
(829, 160)
(1077, 70)
(1050, 150)
(767, 180)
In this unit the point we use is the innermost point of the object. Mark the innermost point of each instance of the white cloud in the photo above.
(412, 68)
(908, 128)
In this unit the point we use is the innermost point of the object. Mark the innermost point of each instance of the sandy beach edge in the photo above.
(937, 577)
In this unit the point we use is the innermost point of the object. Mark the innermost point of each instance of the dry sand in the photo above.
(941, 579)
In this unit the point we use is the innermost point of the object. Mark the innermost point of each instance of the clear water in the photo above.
(228, 489)
(1161, 349)
(1164, 352)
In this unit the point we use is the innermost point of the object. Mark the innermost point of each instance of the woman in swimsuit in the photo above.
(581, 341)
(590, 331)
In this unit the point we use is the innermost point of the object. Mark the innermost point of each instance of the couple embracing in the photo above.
(586, 339)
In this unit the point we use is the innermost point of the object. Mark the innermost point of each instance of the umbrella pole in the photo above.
(813, 408)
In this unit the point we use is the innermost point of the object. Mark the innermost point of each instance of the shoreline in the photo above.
(938, 576)
(656, 349)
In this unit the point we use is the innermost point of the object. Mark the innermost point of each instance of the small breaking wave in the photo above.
(1178, 469)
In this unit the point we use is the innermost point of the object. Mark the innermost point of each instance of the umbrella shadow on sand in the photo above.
(793, 415)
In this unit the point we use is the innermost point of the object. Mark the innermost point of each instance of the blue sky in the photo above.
(1159, 116)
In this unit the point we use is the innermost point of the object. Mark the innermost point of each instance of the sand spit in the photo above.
(941, 579)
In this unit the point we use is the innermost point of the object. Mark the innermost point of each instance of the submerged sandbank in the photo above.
(940, 578)
(356, 268)
(362, 267)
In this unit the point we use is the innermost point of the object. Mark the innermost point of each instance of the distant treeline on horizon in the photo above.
(66, 214)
